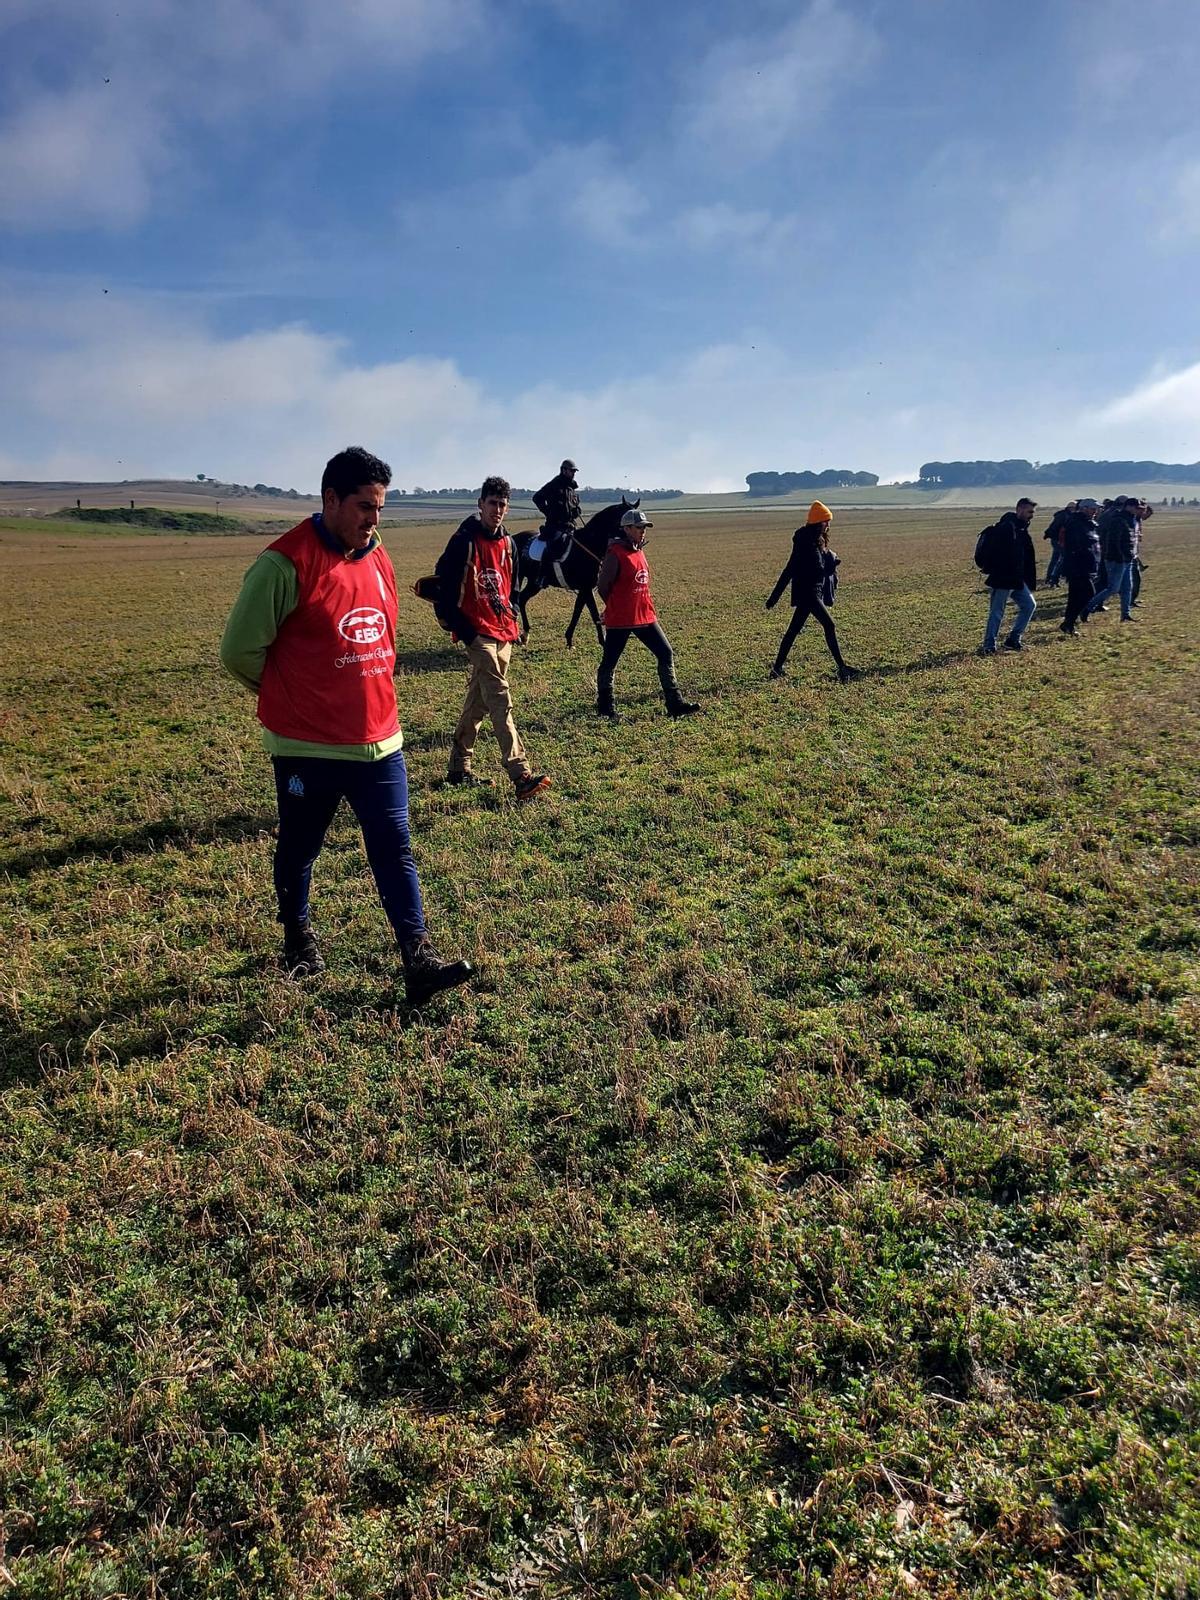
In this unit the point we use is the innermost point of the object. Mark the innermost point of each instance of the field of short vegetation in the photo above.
(804, 1202)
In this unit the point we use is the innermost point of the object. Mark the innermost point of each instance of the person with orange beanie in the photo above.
(809, 569)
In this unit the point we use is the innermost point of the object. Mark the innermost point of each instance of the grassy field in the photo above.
(804, 1202)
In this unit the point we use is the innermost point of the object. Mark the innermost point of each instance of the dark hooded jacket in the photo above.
(1081, 547)
(558, 501)
(1119, 529)
(1012, 563)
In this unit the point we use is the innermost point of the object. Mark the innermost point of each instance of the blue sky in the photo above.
(677, 242)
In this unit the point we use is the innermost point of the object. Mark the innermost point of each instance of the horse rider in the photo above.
(558, 501)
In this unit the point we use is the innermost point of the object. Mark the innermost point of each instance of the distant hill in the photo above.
(766, 483)
(984, 474)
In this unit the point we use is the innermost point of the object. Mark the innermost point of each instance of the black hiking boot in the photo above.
(775, 672)
(301, 956)
(680, 707)
(848, 674)
(426, 974)
(1014, 644)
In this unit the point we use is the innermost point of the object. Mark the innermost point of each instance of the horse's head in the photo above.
(599, 529)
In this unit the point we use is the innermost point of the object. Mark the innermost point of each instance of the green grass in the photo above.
(803, 1203)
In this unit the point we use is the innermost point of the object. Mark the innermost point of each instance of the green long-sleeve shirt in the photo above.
(269, 594)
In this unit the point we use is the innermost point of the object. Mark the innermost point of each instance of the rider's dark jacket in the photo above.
(558, 501)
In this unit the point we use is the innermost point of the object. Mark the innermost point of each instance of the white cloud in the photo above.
(81, 158)
(94, 150)
(752, 94)
(1159, 419)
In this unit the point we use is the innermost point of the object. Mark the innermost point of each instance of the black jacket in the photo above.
(1081, 547)
(558, 502)
(805, 569)
(1012, 563)
(1119, 530)
(451, 566)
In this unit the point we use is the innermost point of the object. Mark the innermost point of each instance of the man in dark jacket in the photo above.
(558, 501)
(1120, 533)
(1011, 570)
(1081, 562)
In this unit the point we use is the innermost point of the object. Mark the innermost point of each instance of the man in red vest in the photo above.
(624, 585)
(476, 600)
(313, 634)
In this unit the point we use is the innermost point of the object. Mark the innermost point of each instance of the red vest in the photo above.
(629, 604)
(328, 675)
(487, 584)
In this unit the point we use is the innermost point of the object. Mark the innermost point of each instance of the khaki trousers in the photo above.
(488, 695)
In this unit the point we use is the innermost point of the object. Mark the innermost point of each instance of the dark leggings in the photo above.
(1079, 592)
(659, 646)
(309, 790)
(810, 606)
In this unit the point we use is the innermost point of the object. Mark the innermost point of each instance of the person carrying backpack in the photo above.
(1006, 556)
(475, 598)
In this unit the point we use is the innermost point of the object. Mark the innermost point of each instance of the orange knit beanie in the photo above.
(819, 512)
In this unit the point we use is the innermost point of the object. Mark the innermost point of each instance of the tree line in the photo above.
(982, 474)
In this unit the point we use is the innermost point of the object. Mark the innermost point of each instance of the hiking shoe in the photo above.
(1071, 633)
(1131, 619)
(775, 672)
(468, 780)
(848, 674)
(301, 956)
(987, 650)
(531, 785)
(683, 708)
(610, 712)
(1014, 644)
(426, 974)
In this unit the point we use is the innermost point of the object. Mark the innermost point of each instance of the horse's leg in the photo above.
(589, 600)
(581, 599)
(524, 595)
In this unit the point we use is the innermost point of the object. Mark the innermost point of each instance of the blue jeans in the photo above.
(309, 789)
(1054, 570)
(1026, 605)
(1120, 581)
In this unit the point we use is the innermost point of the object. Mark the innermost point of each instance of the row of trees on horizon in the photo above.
(983, 475)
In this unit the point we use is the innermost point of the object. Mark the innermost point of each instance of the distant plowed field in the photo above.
(805, 1200)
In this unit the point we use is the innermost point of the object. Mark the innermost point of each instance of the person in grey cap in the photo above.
(624, 585)
(558, 501)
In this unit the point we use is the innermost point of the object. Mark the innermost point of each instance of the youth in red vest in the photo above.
(486, 589)
(328, 677)
(629, 604)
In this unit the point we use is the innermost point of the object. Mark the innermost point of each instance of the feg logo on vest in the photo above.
(363, 625)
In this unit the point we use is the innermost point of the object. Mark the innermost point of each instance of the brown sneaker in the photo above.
(532, 785)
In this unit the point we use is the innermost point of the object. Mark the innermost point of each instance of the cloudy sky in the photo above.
(680, 242)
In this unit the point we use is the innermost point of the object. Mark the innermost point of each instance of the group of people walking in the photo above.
(313, 635)
(1095, 547)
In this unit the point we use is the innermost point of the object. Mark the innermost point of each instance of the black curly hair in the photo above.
(500, 487)
(351, 468)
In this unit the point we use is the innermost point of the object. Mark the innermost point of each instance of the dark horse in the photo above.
(577, 570)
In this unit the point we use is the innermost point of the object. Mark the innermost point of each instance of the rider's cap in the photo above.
(569, 466)
(636, 519)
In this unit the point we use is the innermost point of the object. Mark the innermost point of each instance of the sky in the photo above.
(677, 242)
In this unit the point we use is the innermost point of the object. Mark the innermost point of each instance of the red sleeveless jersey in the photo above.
(328, 675)
(629, 604)
(486, 587)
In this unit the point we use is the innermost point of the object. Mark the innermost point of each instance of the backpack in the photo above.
(983, 548)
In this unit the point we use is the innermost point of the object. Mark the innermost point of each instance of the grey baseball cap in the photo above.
(636, 519)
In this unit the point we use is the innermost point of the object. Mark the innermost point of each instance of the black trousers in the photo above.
(659, 646)
(810, 606)
(1079, 592)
